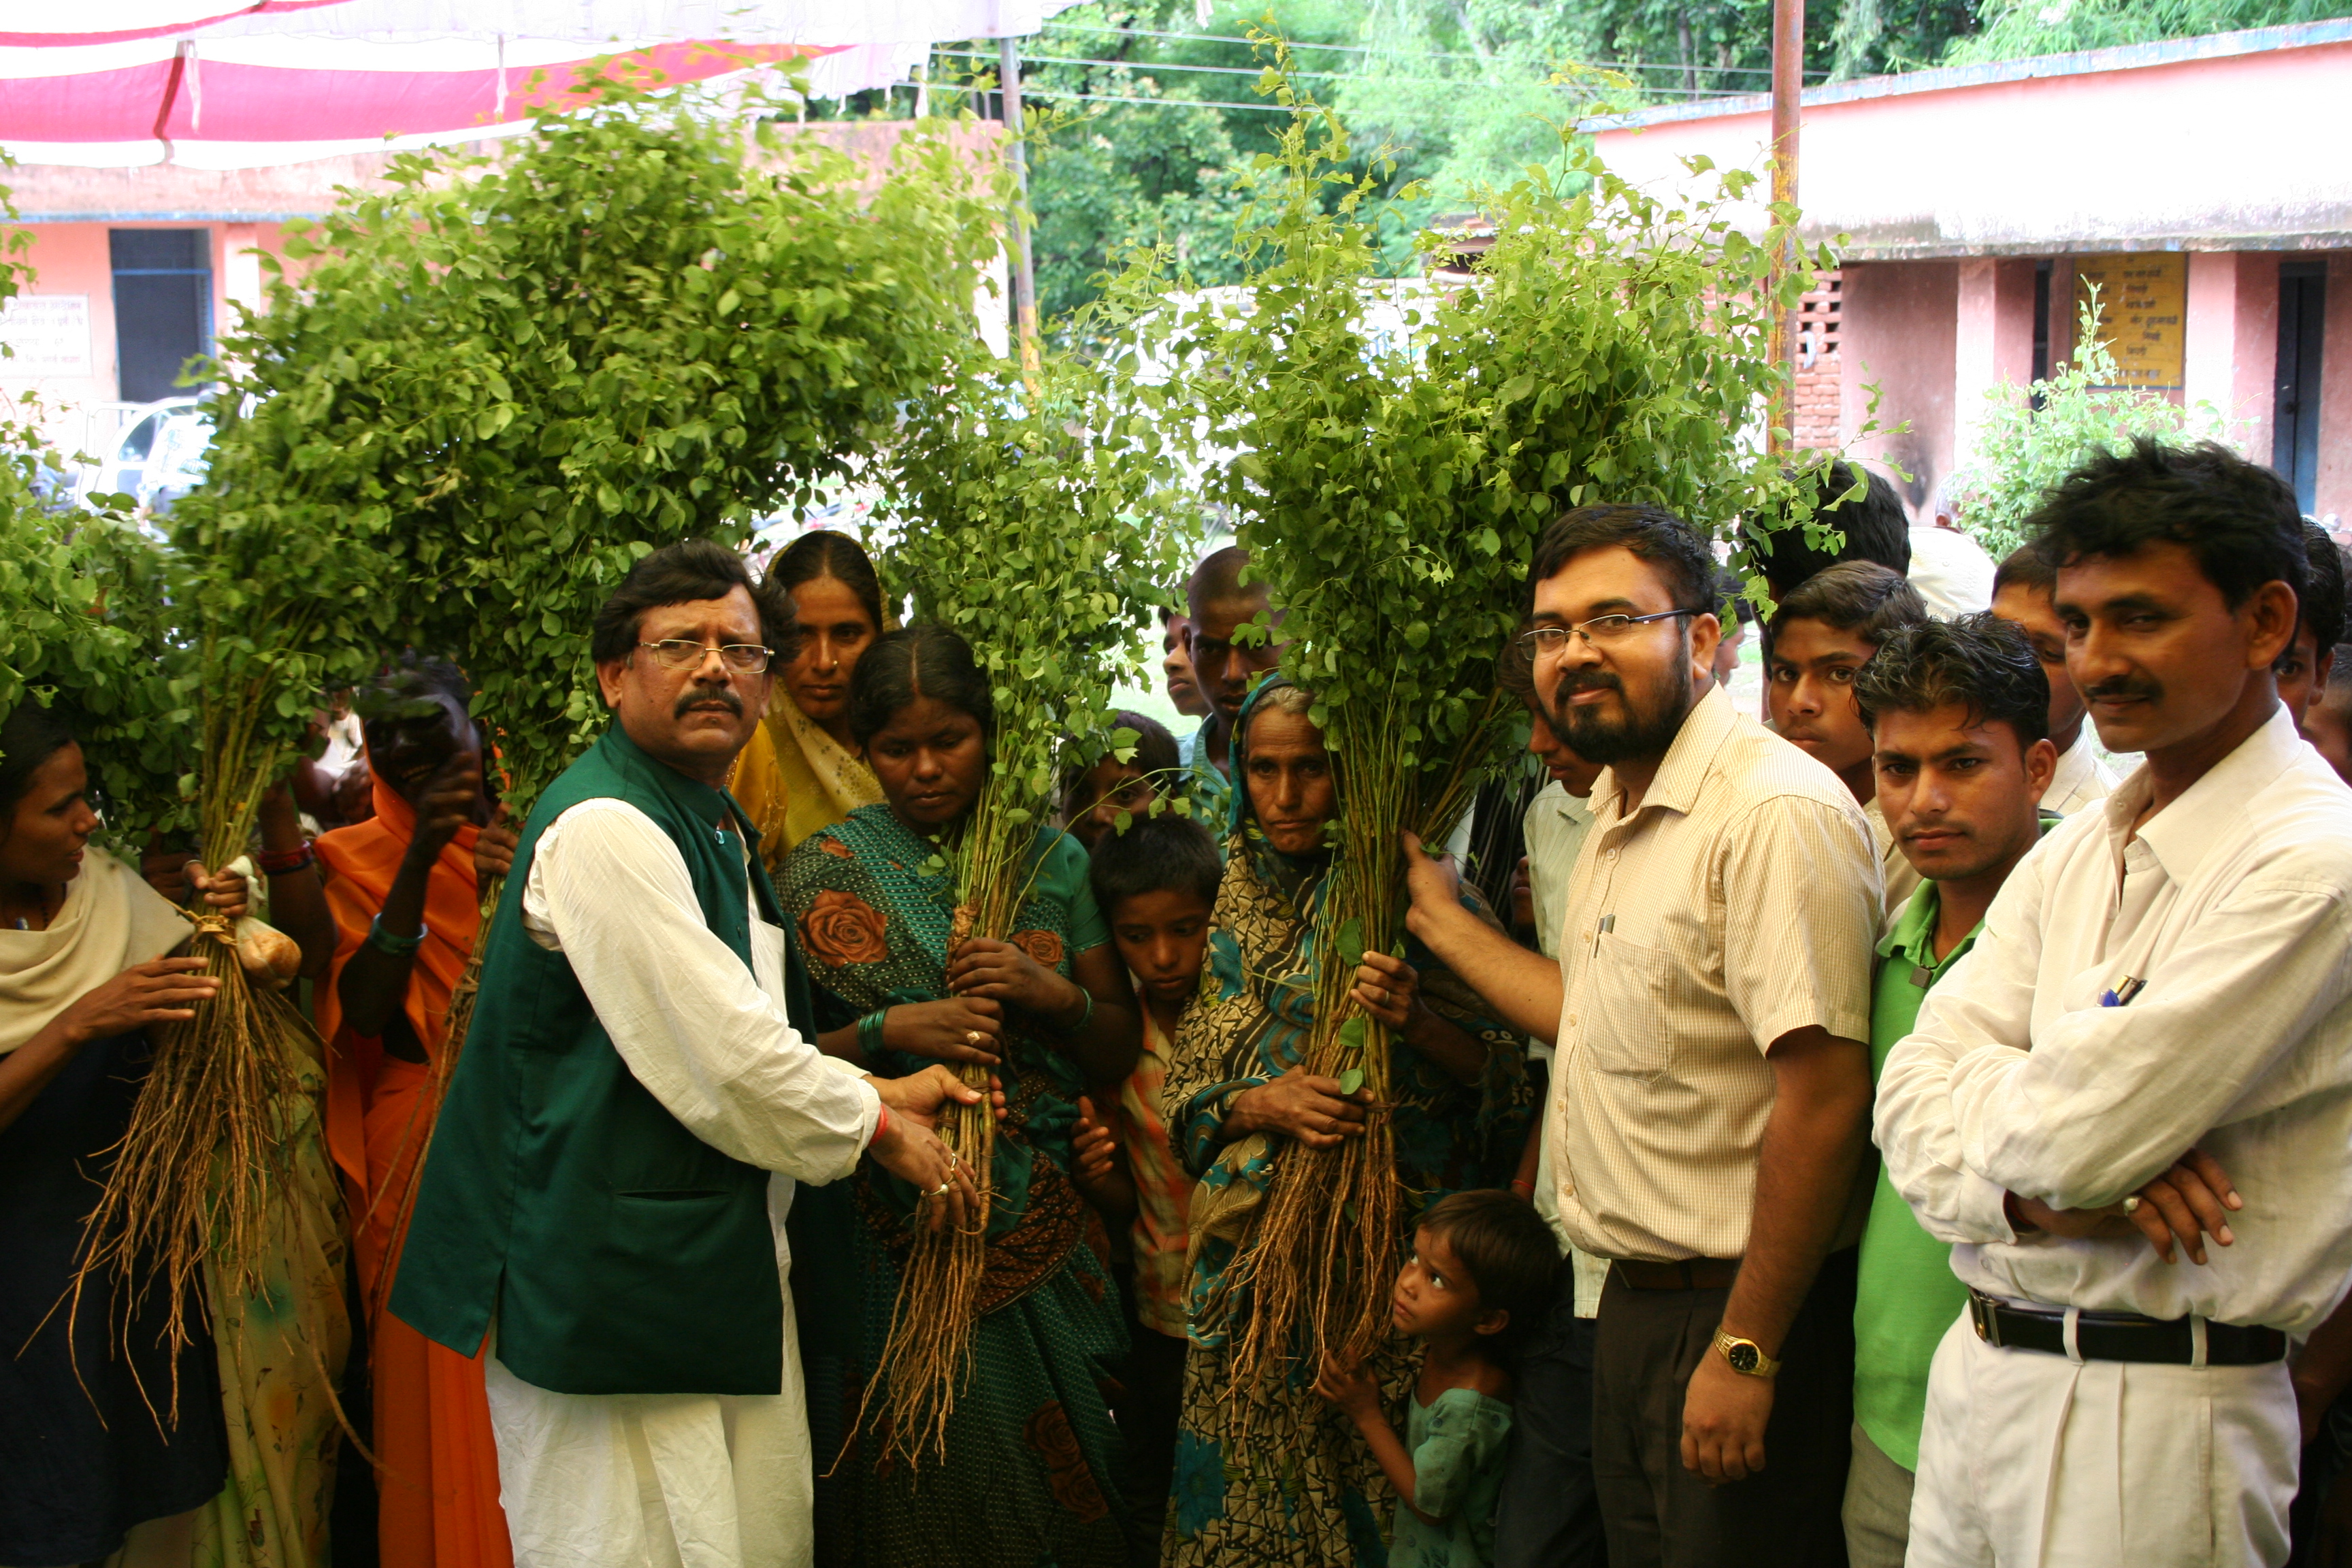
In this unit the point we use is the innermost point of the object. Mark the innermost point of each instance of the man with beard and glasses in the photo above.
(1958, 713)
(2130, 1109)
(1820, 637)
(602, 1206)
(1706, 1119)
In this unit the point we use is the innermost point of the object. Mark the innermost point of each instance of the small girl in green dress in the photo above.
(1479, 1275)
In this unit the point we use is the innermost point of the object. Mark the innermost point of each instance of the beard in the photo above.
(1648, 726)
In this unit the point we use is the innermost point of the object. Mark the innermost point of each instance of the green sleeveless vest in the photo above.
(617, 1252)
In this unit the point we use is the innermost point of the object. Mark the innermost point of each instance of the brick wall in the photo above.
(1818, 384)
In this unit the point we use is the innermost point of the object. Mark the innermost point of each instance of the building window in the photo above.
(2294, 410)
(163, 307)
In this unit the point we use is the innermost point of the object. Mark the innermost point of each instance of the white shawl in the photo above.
(112, 921)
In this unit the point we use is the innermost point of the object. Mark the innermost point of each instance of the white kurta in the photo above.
(687, 1481)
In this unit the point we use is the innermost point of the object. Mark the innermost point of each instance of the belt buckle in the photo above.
(1986, 1317)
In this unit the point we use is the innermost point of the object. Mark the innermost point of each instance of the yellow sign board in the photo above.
(2143, 305)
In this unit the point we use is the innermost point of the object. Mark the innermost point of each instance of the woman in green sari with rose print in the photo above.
(1031, 1465)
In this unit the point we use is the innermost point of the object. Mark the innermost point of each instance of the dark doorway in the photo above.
(2295, 409)
(162, 307)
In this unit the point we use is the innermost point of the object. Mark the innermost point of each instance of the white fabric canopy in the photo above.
(203, 84)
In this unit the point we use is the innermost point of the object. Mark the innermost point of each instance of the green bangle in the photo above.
(1086, 1018)
(384, 942)
(869, 1033)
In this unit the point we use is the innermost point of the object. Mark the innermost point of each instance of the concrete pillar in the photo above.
(2230, 342)
(1992, 341)
(240, 269)
(2332, 495)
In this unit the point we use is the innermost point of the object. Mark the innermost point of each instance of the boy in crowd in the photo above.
(2302, 671)
(2327, 722)
(1958, 713)
(1156, 884)
(1822, 633)
(2158, 1009)
(1874, 526)
(1093, 799)
(2021, 592)
(1228, 653)
(1184, 689)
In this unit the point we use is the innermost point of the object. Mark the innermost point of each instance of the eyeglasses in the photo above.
(1552, 641)
(743, 658)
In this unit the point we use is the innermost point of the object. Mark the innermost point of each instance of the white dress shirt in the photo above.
(2081, 780)
(2233, 905)
(1951, 571)
(641, 1480)
(1555, 826)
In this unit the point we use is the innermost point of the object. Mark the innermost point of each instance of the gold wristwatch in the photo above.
(1745, 1356)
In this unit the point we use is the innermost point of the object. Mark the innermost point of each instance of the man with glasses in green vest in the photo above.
(1958, 715)
(601, 1214)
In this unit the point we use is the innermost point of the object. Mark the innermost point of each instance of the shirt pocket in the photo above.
(1628, 1032)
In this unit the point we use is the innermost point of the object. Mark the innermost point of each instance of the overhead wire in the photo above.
(1406, 54)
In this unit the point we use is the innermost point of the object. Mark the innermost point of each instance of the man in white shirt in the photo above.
(2130, 1108)
(1951, 571)
(2021, 592)
(1708, 1111)
(604, 1198)
(1548, 1516)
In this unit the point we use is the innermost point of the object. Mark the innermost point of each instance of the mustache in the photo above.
(2122, 686)
(1574, 682)
(717, 694)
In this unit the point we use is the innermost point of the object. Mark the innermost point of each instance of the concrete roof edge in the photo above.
(1944, 79)
(151, 216)
(1934, 250)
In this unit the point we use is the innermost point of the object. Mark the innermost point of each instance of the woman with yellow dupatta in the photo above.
(403, 888)
(804, 771)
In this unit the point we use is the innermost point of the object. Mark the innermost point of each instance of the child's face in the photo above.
(1162, 935)
(1434, 1296)
(1812, 693)
(1109, 787)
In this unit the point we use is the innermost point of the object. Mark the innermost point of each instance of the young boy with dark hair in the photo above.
(1156, 884)
(1958, 713)
(1819, 638)
(1874, 528)
(1094, 798)
(2303, 669)
(2022, 594)
(2327, 722)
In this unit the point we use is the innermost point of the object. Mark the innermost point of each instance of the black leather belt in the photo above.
(2121, 1336)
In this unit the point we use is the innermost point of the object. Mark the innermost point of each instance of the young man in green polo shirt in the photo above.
(1959, 712)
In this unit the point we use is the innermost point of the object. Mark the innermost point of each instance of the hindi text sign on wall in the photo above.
(49, 334)
(2142, 302)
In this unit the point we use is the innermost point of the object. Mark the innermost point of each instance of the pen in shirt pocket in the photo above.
(2122, 995)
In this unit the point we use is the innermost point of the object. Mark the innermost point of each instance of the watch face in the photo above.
(1743, 1357)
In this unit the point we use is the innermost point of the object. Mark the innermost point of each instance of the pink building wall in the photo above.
(1941, 190)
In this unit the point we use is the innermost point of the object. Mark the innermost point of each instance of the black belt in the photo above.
(2121, 1336)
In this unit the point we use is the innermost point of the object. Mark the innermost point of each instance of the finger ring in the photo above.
(972, 1037)
(2131, 1206)
(941, 1190)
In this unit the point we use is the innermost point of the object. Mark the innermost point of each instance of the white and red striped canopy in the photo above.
(210, 84)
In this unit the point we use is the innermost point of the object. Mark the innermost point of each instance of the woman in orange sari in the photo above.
(403, 888)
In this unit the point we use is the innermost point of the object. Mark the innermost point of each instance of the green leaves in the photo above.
(497, 384)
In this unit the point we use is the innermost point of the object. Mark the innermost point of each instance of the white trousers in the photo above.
(655, 1480)
(2032, 1461)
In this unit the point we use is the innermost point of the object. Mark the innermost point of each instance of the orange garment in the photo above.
(440, 1485)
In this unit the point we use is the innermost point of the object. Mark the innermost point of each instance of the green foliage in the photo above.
(2021, 450)
(1043, 521)
(2017, 29)
(87, 635)
(501, 380)
(1391, 495)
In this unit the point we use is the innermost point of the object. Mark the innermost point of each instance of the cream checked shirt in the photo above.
(2233, 904)
(1739, 903)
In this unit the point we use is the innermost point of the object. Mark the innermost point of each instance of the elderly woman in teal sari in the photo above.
(1304, 1491)
(1031, 1466)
